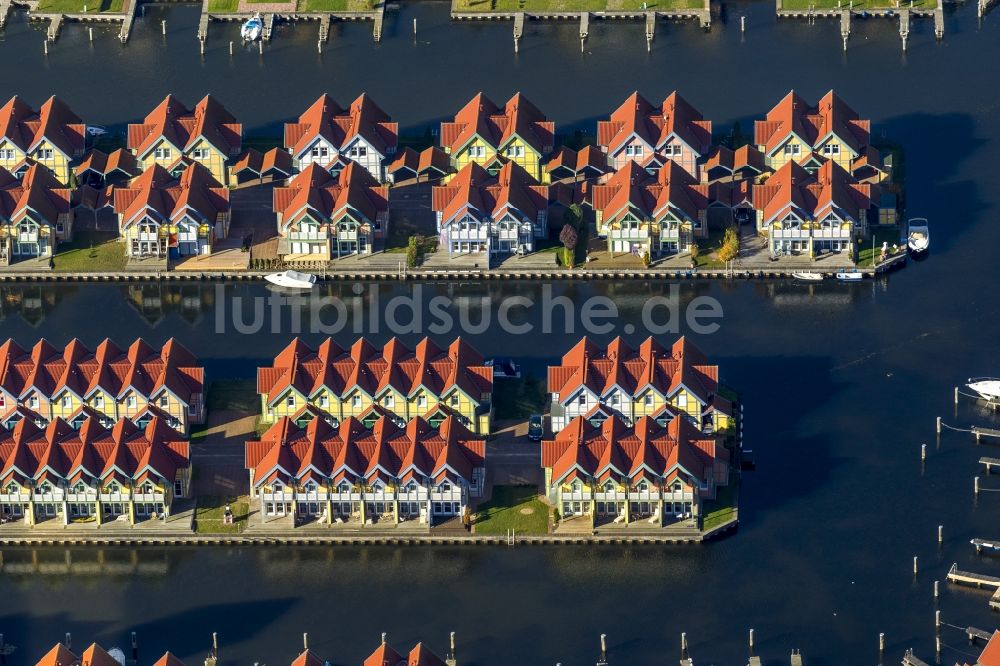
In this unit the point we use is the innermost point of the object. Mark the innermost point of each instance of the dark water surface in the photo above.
(842, 383)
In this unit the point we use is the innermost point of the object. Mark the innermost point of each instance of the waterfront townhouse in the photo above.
(725, 164)
(323, 217)
(95, 655)
(357, 475)
(660, 215)
(273, 165)
(615, 473)
(795, 130)
(110, 383)
(89, 472)
(174, 136)
(53, 136)
(651, 135)
(491, 136)
(812, 213)
(599, 382)
(362, 380)
(327, 135)
(420, 655)
(160, 214)
(35, 215)
(495, 215)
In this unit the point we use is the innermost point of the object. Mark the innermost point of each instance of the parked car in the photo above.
(536, 428)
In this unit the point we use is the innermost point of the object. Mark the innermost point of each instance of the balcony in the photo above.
(481, 234)
(308, 235)
(27, 238)
(629, 234)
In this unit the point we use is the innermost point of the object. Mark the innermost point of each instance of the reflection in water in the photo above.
(31, 302)
(81, 563)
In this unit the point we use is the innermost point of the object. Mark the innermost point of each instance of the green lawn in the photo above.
(208, 515)
(518, 398)
(515, 508)
(707, 248)
(858, 4)
(336, 5)
(890, 236)
(90, 251)
(222, 6)
(573, 5)
(238, 395)
(723, 508)
(77, 6)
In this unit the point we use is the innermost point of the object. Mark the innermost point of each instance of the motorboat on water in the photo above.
(292, 279)
(808, 276)
(850, 276)
(252, 29)
(987, 387)
(95, 130)
(918, 236)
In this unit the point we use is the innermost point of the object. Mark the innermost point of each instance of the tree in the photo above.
(577, 215)
(412, 253)
(730, 248)
(568, 236)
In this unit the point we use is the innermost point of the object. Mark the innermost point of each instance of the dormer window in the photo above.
(609, 487)
(290, 401)
(162, 153)
(13, 488)
(310, 487)
(324, 401)
(454, 400)
(80, 487)
(164, 400)
(33, 402)
(389, 401)
(277, 487)
(642, 487)
(445, 487)
(648, 400)
(677, 487)
(411, 486)
(66, 401)
(355, 400)
(114, 487)
(344, 487)
(575, 486)
(99, 401)
(147, 488)
(582, 400)
(421, 400)
(130, 401)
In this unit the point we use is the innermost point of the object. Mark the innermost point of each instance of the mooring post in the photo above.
(937, 648)
(230, 47)
(684, 644)
(937, 621)
(881, 648)
(743, 24)
(975, 487)
(956, 395)
(939, 425)
(751, 642)
(604, 649)
(260, 47)
(45, 46)
(940, 534)
(163, 26)
(937, 591)
(90, 32)
(414, 27)
(923, 452)
(914, 565)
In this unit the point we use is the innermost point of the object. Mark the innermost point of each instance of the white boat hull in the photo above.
(808, 276)
(850, 276)
(292, 280)
(918, 238)
(987, 388)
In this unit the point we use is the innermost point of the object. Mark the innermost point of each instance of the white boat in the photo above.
(292, 279)
(986, 387)
(808, 276)
(850, 276)
(918, 237)
(250, 32)
(94, 130)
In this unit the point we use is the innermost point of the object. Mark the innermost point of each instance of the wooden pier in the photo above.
(983, 6)
(990, 463)
(379, 18)
(5, 8)
(847, 14)
(955, 575)
(910, 659)
(979, 432)
(324, 28)
(984, 544)
(269, 20)
(55, 25)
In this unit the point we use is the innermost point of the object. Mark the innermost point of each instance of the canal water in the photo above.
(841, 382)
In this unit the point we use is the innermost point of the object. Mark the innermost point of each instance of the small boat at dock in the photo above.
(850, 276)
(292, 279)
(918, 235)
(252, 29)
(987, 388)
(808, 276)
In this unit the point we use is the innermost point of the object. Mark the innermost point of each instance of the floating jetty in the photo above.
(984, 544)
(272, 18)
(956, 575)
(846, 13)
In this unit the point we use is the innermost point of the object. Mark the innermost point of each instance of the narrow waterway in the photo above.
(842, 383)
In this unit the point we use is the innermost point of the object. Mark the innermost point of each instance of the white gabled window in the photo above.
(355, 400)
(66, 401)
(130, 400)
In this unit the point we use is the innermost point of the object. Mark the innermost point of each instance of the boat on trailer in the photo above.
(292, 279)
(808, 276)
(918, 235)
(987, 388)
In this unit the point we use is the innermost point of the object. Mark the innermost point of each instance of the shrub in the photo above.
(412, 252)
(730, 248)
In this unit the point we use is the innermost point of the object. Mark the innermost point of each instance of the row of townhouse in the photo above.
(62, 654)
(354, 474)
(655, 181)
(89, 472)
(110, 384)
(613, 472)
(366, 382)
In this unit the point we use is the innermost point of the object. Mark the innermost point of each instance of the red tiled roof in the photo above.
(170, 198)
(600, 369)
(38, 191)
(275, 161)
(589, 159)
(593, 449)
(812, 124)
(991, 653)
(386, 449)
(655, 125)
(330, 197)
(59, 655)
(496, 126)
(145, 369)
(631, 188)
(339, 127)
(812, 196)
(27, 450)
(172, 121)
(474, 189)
(54, 121)
(372, 370)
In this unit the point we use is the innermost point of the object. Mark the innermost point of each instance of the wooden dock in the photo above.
(983, 6)
(55, 25)
(847, 14)
(269, 20)
(990, 463)
(910, 659)
(324, 28)
(984, 544)
(379, 19)
(979, 432)
(955, 575)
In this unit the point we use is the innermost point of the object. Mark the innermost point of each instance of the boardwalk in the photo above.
(956, 575)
